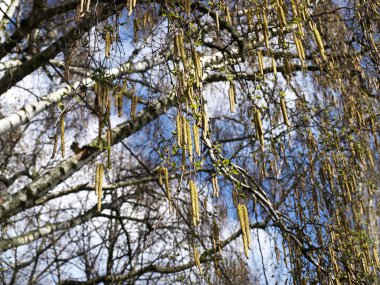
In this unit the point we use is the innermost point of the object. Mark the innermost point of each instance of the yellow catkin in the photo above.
(62, 125)
(205, 124)
(164, 179)
(182, 46)
(177, 47)
(188, 7)
(194, 203)
(108, 44)
(189, 141)
(196, 258)
(197, 67)
(274, 66)
(109, 144)
(217, 20)
(134, 106)
(81, 6)
(196, 140)
(283, 110)
(264, 21)
(261, 63)
(215, 186)
(318, 40)
(259, 128)
(232, 97)
(299, 46)
(228, 16)
(376, 256)
(55, 146)
(281, 14)
(370, 158)
(247, 228)
(99, 184)
(179, 130)
(130, 8)
(240, 209)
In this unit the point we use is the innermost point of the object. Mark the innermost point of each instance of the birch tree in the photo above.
(182, 142)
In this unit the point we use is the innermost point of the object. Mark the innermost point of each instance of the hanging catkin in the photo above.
(283, 110)
(164, 179)
(215, 186)
(232, 97)
(259, 128)
(196, 140)
(99, 184)
(189, 139)
(243, 218)
(205, 124)
(134, 106)
(196, 258)
(179, 130)
(194, 203)
(108, 44)
(62, 125)
(261, 62)
(318, 40)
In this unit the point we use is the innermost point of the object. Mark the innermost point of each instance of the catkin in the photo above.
(217, 20)
(196, 140)
(215, 186)
(300, 50)
(164, 173)
(182, 46)
(259, 127)
(197, 67)
(108, 44)
(177, 47)
(99, 184)
(194, 203)
(189, 139)
(81, 6)
(242, 219)
(274, 65)
(246, 223)
(261, 63)
(188, 6)
(283, 111)
(264, 21)
(228, 16)
(133, 106)
(62, 125)
(179, 130)
(281, 15)
(232, 97)
(196, 258)
(318, 40)
(130, 8)
(205, 124)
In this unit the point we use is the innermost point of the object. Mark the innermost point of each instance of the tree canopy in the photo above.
(189, 142)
